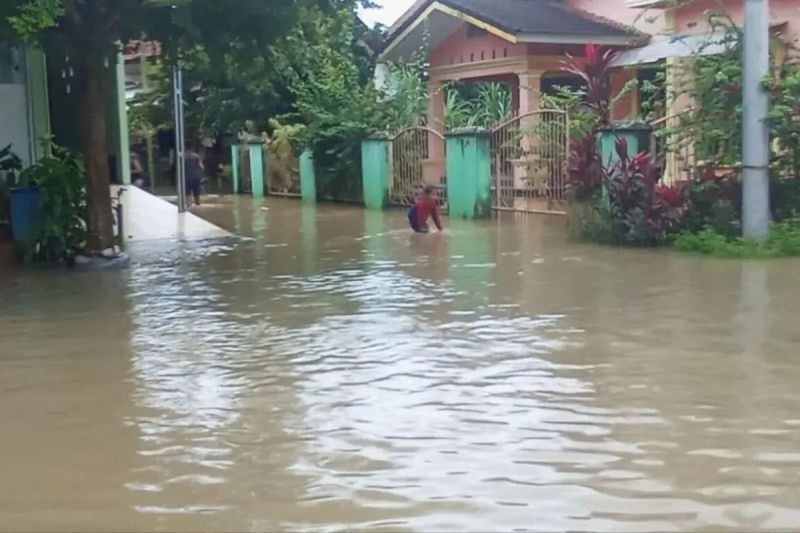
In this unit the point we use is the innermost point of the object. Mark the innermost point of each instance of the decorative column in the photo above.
(530, 85)
(256, 153)
(376, 171)
(236, 170)
(434, 167)
(469, 185)
(308, 178)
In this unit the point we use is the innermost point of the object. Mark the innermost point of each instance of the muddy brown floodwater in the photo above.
(332, 372)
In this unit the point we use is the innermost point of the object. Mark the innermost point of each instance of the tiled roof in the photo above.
(532, 17)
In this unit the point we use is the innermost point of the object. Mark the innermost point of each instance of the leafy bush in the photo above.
(477, 105)
(283, 171)
(642, 212)
(60, 179)
(785, 198)
(715, 205)
(783, 241)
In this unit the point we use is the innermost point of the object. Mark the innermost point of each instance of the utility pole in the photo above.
(756, 149)
(180, 138)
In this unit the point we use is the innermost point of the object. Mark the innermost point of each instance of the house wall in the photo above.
(15, 126)
(460, 48)
(24, 117)
(650, 20)
(693, 17)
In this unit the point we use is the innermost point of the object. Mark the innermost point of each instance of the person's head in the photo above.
(429, 191)
(190, 146)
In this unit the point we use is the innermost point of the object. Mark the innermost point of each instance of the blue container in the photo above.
(26, 213)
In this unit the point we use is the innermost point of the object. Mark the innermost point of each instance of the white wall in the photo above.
(14, 115)
(14, 123)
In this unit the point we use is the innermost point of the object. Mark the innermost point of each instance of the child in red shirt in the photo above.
(425, 209)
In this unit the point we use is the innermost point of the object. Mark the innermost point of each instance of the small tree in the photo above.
(591, 113)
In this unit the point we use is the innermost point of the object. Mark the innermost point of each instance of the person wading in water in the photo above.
(425, 209)
(195, 170)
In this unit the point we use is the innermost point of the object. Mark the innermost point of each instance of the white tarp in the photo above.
(675, 46)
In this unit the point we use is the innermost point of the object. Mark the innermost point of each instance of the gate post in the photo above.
(469, 173)
(308, 178)
(376, 171)
(256, 152)
(236, 170)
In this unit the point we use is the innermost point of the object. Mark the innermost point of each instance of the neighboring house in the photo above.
(522, 43)
(37, 101)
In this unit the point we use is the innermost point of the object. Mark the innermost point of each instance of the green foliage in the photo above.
(785, 198)
(224, 32)
(715, 205)
(477, 105)
(713, 125)
(60, 179)
(284, 166)
(35, 17)
(784, 118)
(338, 105)
(783, 241)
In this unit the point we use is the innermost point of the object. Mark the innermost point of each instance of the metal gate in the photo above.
(530, 162)
(417, 160)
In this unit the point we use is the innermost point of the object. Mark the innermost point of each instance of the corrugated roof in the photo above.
(546, 17)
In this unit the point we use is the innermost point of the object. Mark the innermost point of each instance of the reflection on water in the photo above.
(329, 370)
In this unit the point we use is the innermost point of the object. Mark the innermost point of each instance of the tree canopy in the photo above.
(91, 33)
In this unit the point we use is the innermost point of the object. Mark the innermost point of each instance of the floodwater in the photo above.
(329, 371)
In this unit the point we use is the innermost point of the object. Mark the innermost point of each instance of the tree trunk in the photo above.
(94, 143)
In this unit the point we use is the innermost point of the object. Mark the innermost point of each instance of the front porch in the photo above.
(477, 42)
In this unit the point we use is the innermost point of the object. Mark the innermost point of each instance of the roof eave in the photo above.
(605, 40)
(410, 24)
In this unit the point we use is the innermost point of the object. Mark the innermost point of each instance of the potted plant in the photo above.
(57, 231)
(10, 166)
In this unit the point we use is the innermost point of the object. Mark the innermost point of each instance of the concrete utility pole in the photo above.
(756, 149)
(180, 138)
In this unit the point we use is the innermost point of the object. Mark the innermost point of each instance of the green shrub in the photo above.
(783, 241)
(61, 180)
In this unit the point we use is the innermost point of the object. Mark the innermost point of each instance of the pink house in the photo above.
(522, 43)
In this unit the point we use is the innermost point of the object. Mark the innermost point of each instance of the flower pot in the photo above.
(26, 214)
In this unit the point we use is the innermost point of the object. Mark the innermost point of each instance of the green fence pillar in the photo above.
(376, 169)
(469, 173)
(236, 167)
(636, 134)
(308, 178)
(256, 152)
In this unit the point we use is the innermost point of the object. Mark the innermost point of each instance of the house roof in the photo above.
(520, 20)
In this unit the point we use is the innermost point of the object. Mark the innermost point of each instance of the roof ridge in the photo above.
(600, 19)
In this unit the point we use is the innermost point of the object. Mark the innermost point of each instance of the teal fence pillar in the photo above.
(236, 167)
(469, 173)
(256, 152)
(636, 133)
(308, 177)
(376, 169)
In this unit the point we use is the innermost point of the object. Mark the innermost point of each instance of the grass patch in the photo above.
(783, 241)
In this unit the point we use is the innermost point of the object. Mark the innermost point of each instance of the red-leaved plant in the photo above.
(643, 212)
(585, 165)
